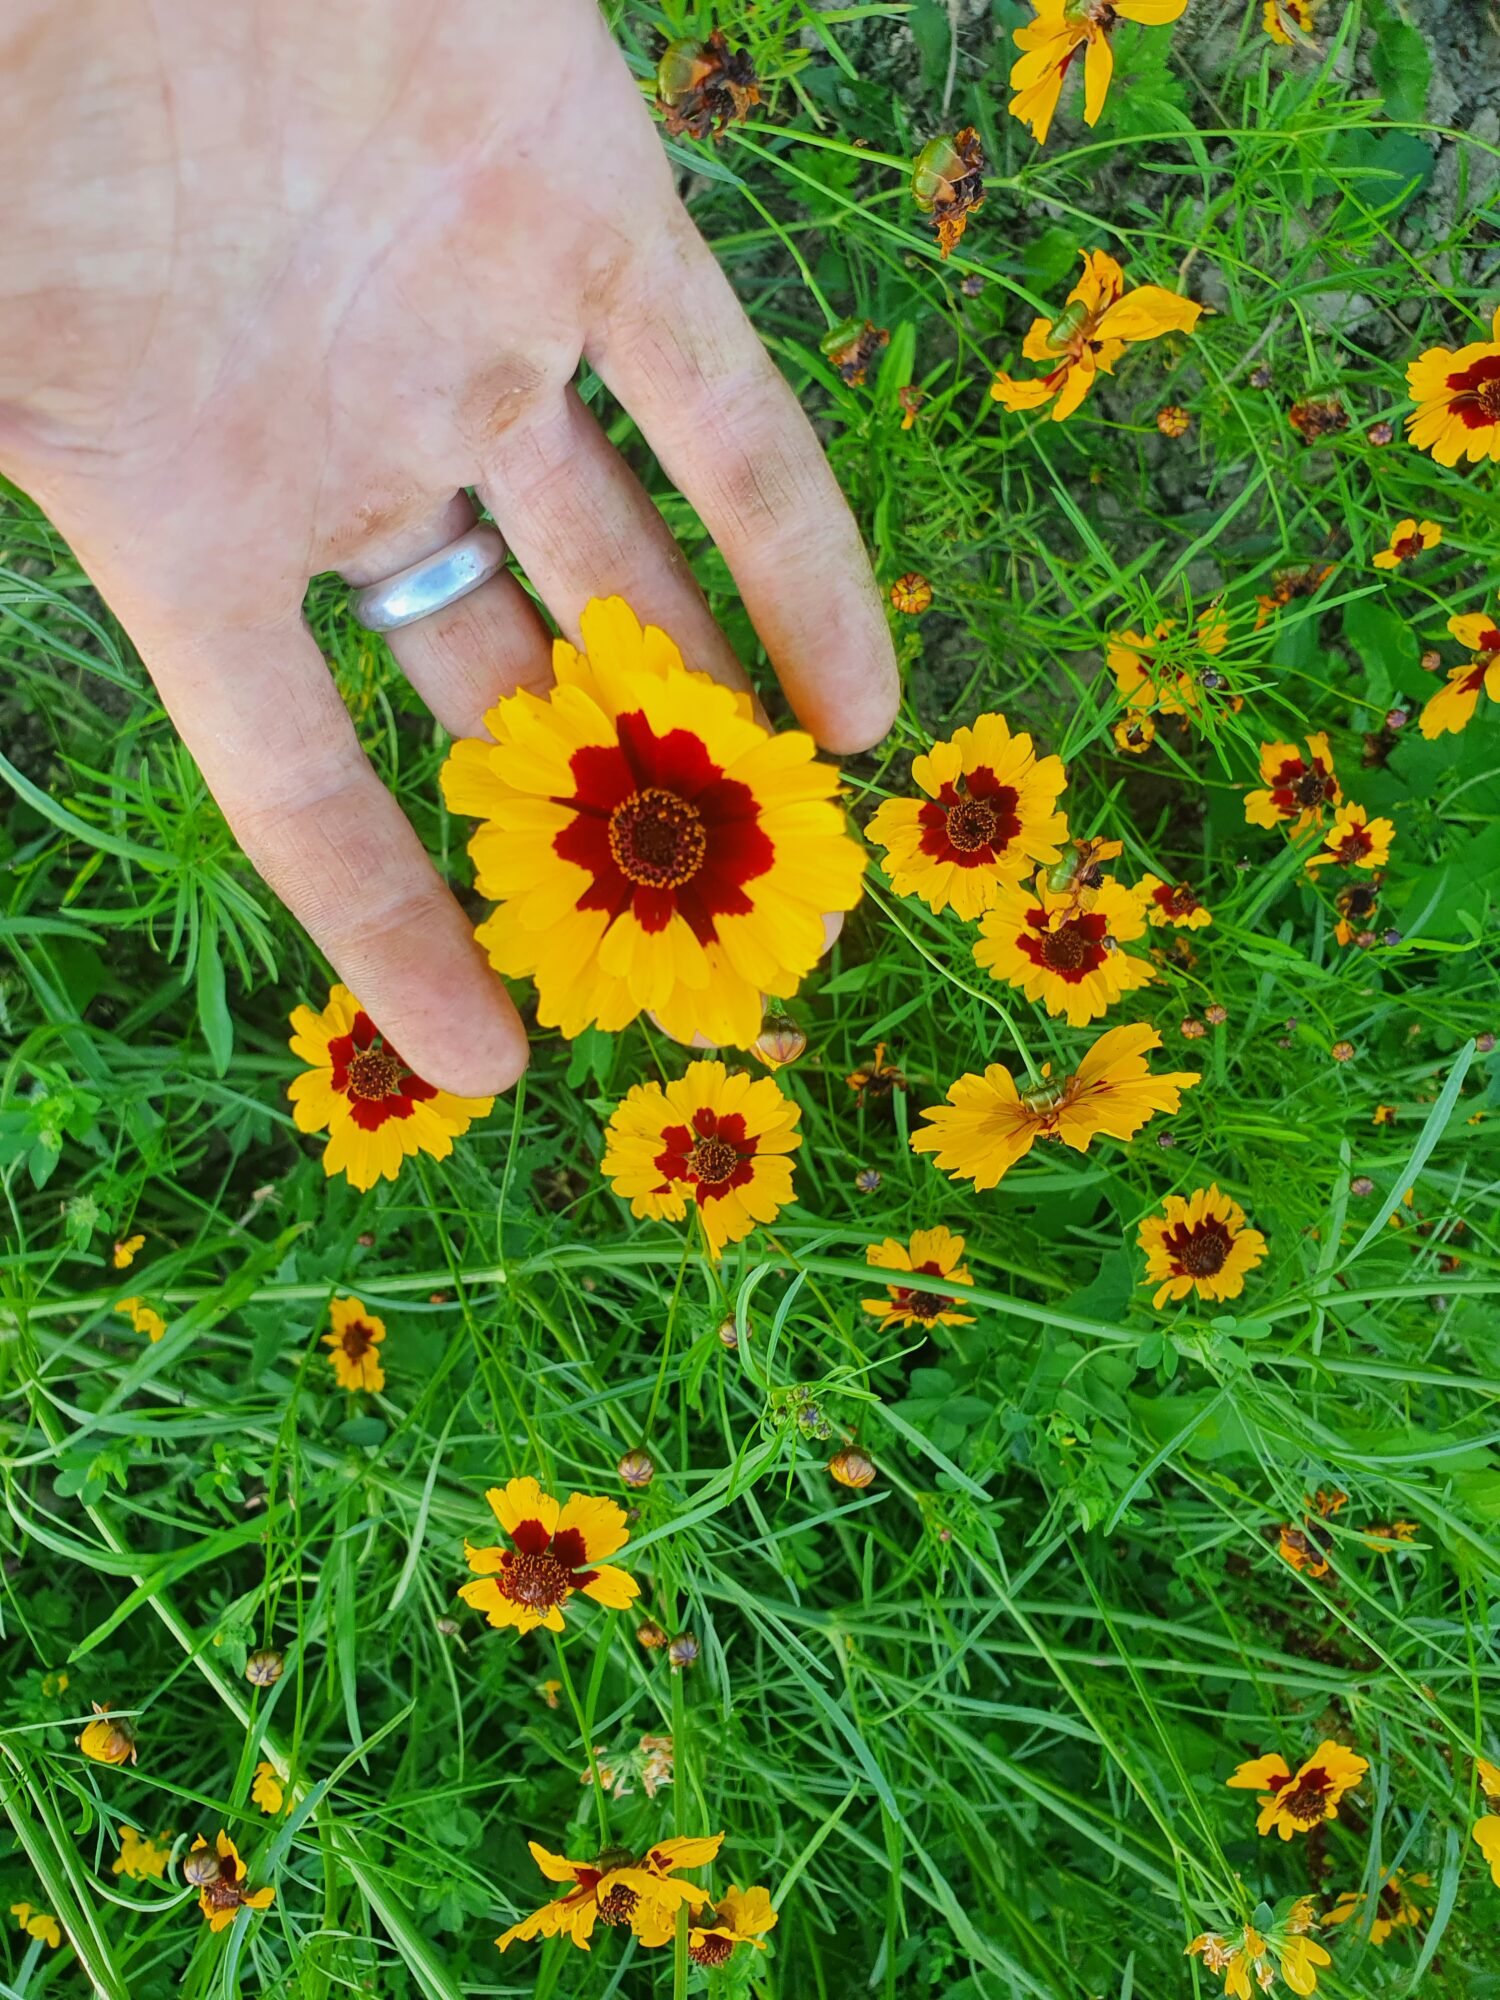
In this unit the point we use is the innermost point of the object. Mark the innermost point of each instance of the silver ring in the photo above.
(433, 583)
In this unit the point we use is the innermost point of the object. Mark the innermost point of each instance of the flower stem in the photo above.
(586, 1737)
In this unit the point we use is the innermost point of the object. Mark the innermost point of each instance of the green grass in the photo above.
(972, 1725)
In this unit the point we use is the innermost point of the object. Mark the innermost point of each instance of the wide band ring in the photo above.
(433, 583)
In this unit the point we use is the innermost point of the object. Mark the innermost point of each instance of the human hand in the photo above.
(279, 281)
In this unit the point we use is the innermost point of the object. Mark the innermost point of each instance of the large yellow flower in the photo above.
(222, 1898)
(987, 1124)
(374, 1107)
(989, 816)
(1486, 1830)
(648, 845)
(617, 1888)
(1354, 841)
(1096, 325)
(932, 1253)
(1199, 1243)
(716, 1139)
(1452, 707)
(1297, 787)
(1062, 946)
(1457, 393)
(556, 1549)
(355, 1341)
(741, 1916)
(1296, 1801)
(1395, 1906)
(1051, 44)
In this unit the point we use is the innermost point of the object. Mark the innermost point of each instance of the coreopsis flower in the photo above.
(911, 594)
(1485, 1831)
(715, 1140)
(1161, 671)
(355, 1342)
(1248, 1960)
(852, 345)
(1062, 31)
(932, 1253)
(989, 817)
(1296, 1801)
(1305, 1549)
(108, 1739)
(267, 1790)
(1457, 394)
(1396, 1906)
(140, 1858)
(37, 1924)
(947, 183)
(876, 1082)
(1173, 421)
(1134, 734)
(374, 1107)
(1289, 584)
(1354, 841)
(125, 1253)
(648, 844)
(1280, 18)
(1357, 903)
(1099, 321)
(1297, 786)
(225, 1893)
(556, 1549)
(1199, 1243)
(1062, 947)
(1452, 707)
(988, 1124)
(704, 86)
(1408, 540)
(1173, 904)
(143, 1318)
(741, 1916)
(617, 1889)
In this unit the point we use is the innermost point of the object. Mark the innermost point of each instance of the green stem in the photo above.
(586, 1736)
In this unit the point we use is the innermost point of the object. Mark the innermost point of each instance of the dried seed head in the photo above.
(1430, 661)
(868, 1180)
(1193, 1030)
(971, 284)
(1381, 432)
(851, 1467)
(636, 1469)
(683, 1650)
(1216, 1015)
(1484, 1043)
(1396, 718)
(1261, 377)
(265, 1667)
(650, 1635)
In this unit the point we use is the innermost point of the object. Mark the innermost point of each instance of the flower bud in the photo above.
(265, 1667)
(779, 1042)
(850, 1467)
(729, 1333)
(636, 1469)
(650, 1635)
(683, 1651)
(201, 1866)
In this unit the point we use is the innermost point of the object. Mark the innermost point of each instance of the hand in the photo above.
(278, 281)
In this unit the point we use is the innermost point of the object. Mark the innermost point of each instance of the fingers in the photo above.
(276, 746)
(677, 350)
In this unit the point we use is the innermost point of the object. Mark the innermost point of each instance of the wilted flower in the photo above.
(1312, 420)
(852, 345)
(1099, 321)
(947, 183)
(702, 87)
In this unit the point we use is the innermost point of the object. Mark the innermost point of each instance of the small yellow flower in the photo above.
(37, 1924)
(1296, 1801)
(555, 1550)
(617, 1889)
(1099, 321)
(1280, 17)
(912, 594)
(1457, 393)
(1383, 1114)
(140, 1858)
(108, 1739)
(222, 1898)
(125, 1253)
(1408, 540)
(932, 1253)
(143, 1318)
(1297, 787)
(1135, 734)
(1171, 904)
(354, 1341)
(1051, 44)
(1199, 1243)
(1354, 841)
(740, 1916)
(1396, 1907)
(549, 1691)
(1452, 707)
(267, 1791)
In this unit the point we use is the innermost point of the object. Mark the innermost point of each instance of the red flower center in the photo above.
(357, 1339)
(1311, 788)
(537, 1580)
(715, 1156)
(657, 839)
(1178, 902)
(973, 826)
(1072, 951)
(1354, 846)
(1406, 546)
(1306, 1803)
(713, 1951)
(373, 1076)
(1476, 392)
(1200, 1250)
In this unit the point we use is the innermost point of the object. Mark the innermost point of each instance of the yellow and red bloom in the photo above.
(649, 845)
(1296, 1801)
(1134, 734)
(1171, 904)
(1062, 31)
(617, 1889)
(108, 1739)
(223, 1897)
(741, 1916)
(375, 1108)
(1062, 947)
(911, 594)
(143, 1318)
(1280, 17)
(1457, 393)
(266, 1789)
(355, 1341)
(716, 1140)
(1099, 321)
(1396, 1907)
(556, 1549)
(1408, 540)
(125, 1253)
(140, 1858)
(1161, 671)
(1297, 786)
(1452, 707)
(1354, 841)
(947, 183)
(989, 816)
(987, 1125)
(932, 1253)
(1199, 1243)
(37, 1924)
(1485, 1831)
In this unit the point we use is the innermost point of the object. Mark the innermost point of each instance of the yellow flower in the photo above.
(1095, 327)
(1395, 1906)
(1296, 1801)
(356, 1087)
(1486, 1834)
(222, 1899)
(1296, 787)
(1158, 671)
(125, 1253)
(987, 1124)
(716, 1140)
(266, 1790)
(1299, 1958)
(1250, 1954)
(933, 1253)
(37, 1924)
(1135, 734)
(739, 1917)
(649, 846)
(617, 1889)
(143, 1318)
(1171, 904)
(1408, 539)
(1199, 1243)
(1280, 17)
(555, 1550)
(1354, 841)
(1452, 707)
(1051, 44)
(108, 1739)
(354, 1340)
(911, 594)
(1457, 393)
(141, 1858)
(989, 816)
(1062, 947)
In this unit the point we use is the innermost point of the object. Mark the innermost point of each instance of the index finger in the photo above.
(678, 351)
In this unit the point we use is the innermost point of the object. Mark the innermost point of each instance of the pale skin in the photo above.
(277, 281)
